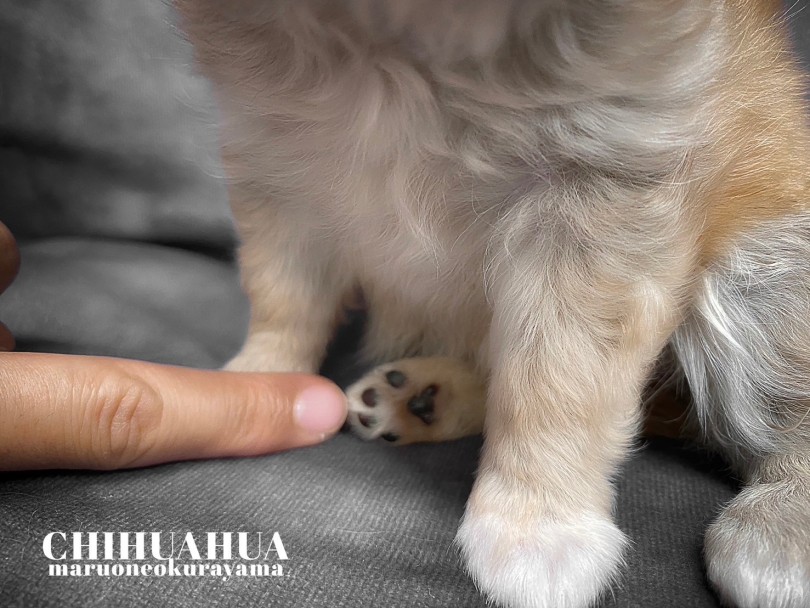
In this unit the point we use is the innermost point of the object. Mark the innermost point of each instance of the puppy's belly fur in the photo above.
(539, 192)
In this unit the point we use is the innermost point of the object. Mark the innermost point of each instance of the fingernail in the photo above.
(320, 409)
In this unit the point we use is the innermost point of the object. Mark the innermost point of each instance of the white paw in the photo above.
(758, 550)
(542, 563)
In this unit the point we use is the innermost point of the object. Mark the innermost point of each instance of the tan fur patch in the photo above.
(761, 155)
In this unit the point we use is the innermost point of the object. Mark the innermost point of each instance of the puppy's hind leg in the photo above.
(745, 351)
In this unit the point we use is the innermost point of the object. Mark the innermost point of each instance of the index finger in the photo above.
(59, 411)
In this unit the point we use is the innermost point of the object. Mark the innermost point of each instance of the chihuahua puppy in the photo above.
(536, 198)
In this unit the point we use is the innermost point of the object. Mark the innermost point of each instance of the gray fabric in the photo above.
(106, 159)
(364, 524)
(104, 129)
(126, 299)
(107, 134)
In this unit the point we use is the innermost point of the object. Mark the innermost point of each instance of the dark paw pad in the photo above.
(390, 437)
(423, 406)
(396, 379)
(369, 397)
(366, 421)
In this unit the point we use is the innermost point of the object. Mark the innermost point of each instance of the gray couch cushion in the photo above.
(104, 129)
(364, 524)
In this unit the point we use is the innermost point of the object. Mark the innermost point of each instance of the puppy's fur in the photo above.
(543, 194)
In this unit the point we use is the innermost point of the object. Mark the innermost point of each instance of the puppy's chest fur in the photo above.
(375, 154)
(414, 166)
(591, 140)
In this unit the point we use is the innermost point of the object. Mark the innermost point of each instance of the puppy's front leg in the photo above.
(576, 325)
(294, 286)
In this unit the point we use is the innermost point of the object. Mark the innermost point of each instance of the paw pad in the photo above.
(392, 405)
(423, 405)
(417, 400)
(396, 379)
(369, 397)
(366, 421)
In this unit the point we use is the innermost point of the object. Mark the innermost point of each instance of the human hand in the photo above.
(75, 412)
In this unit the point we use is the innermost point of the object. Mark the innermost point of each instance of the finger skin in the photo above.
(71, 412)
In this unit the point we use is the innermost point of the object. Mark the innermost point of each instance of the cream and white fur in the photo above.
(543, 193)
